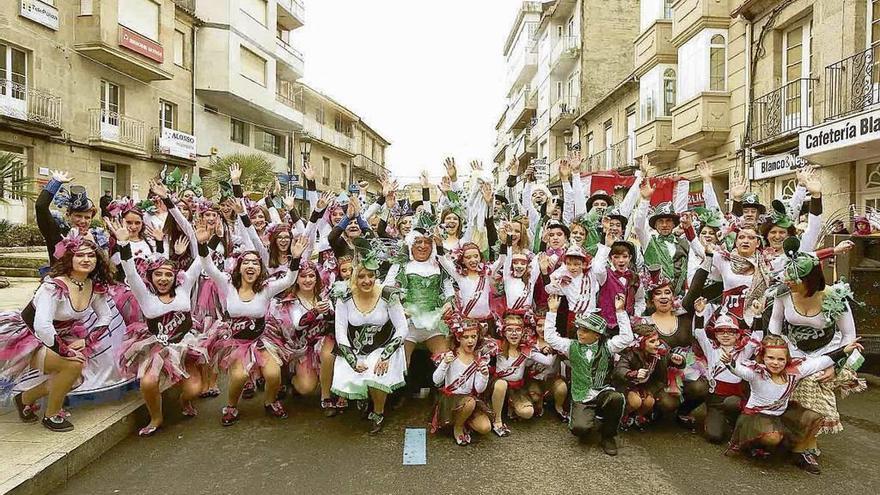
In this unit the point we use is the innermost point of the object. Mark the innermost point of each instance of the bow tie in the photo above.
(667, 238)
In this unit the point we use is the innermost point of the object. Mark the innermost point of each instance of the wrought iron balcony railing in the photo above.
(21, 102)
(112, 127)
(852, 84)
(782, 111)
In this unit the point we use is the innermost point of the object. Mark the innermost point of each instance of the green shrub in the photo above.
(20, 235)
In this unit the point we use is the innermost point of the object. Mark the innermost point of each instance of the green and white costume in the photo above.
(367, 336)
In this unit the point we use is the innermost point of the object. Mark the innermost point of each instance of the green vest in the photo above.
(589, 367)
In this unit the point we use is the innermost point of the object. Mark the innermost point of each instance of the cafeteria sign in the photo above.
(845, 140)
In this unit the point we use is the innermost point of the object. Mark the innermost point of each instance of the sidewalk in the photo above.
(34, 460)
(18, 294)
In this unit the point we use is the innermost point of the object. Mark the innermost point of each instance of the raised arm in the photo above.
(551, 335)
(622, 340)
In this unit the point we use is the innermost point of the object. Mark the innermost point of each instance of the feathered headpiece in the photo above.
(799, 264)
(778, 216)
(370, 253)
(147, 206)
(121, 207)
(69, 244)
(204, 205)
(402, 209)
(652, 278)
(153, 262)
(708, 217)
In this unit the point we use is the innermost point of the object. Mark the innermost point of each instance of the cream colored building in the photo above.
(816, 94)
(245, 92)
(102, 89)
(345, 150)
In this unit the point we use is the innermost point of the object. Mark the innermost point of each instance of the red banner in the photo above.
(141, 44)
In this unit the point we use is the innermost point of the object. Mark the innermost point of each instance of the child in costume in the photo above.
(591, 356)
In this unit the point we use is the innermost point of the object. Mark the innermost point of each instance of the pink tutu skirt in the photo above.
(142, 355)
(225, 350)
(207, 303)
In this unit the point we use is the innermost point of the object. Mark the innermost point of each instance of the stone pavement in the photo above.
(34, 460)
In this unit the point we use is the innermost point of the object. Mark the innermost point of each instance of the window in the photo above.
(560, 90)
(141, 16)
(319, 115)
(110, 102)
(342, 125)
(179, 44)
(13, 68)
(630, 134)
(657, 93)
(591, 146)
(256, 9)
(668, 91)
(797, 97)
(570, 27)
(85, 7)
(167, 114)
(253, 66)
(108, 178)
(653, 10)
(344, 180)
(717, 63)
(874, 36)
(239, 132)
(271, 143)
(609, 144)
(325, 179)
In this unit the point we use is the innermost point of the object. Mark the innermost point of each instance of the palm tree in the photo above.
(256, 173)
(14, 182)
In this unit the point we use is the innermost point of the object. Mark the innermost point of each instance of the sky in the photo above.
(426, 74)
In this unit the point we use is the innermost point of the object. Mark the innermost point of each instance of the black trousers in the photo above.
(606, 408)
(721, 415)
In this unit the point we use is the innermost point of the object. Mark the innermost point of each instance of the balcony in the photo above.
(370, 166)
(119, 47)
(565, 53)
(778, 116)
(701, 123)
(523, 145)
(653, 47)
(291, 63)
(28, 109)
(852, 85)
(618, 157)
(173, 145)
(500, 148)
(692, 16)
(116, 132)
(523, 109)
(291, 14)
(328, 135)
(522, 63)
(563, 112)
(653, 140)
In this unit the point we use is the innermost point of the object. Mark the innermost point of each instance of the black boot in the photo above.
(376, 422)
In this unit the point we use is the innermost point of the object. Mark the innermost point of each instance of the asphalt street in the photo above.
(308, 453)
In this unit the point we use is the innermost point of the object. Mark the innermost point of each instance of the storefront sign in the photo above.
(141, 44)
(176, 143)
(766, 167)
(854, 138)
(41, 13)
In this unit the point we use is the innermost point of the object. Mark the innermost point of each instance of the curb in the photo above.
(58, 467)
(24, 249)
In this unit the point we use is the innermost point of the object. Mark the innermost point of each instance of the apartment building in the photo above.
(245, 93)
(675, 118)
(815, 94)
(101, 88)
(344, 149)
(515, 141)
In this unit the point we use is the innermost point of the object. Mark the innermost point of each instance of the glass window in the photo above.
(325, 179)
(110, 102)
(239, 132)
(717, 63)
(13, 67)
(167, 113)
(179, 44)
(271, 143)
(253, 66)
(668, 91)
(319, 115)
(141, 16)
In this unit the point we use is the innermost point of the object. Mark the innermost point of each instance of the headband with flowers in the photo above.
(70, 244)
(652, 278)
(121, 207)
